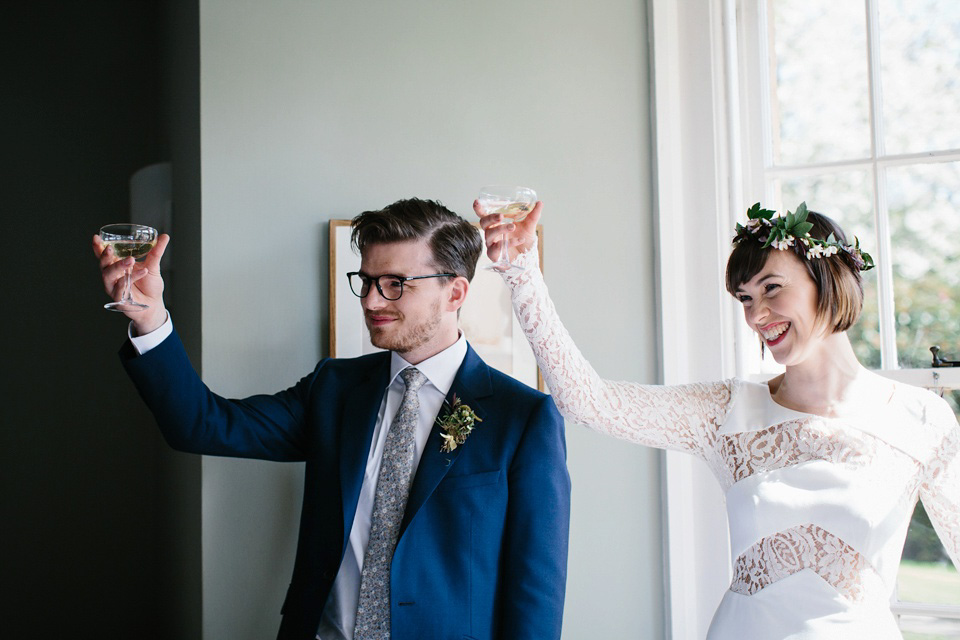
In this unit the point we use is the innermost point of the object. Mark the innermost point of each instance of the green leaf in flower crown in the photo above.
(831, 239)
(790, 221)
(756, 213)
(802, 228)
(801, 213)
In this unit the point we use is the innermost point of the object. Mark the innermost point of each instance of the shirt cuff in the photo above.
(146, 342)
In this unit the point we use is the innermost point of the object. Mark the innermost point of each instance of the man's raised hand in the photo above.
(146, 283)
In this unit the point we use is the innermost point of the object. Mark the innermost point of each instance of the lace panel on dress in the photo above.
(813, 439)
(791, 443)
(807, 547)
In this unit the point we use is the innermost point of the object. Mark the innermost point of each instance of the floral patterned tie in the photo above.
(389, 503)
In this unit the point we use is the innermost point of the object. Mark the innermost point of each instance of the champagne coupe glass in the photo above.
(128, 240)
(513, 203)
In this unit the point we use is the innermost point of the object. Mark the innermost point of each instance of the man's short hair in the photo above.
(455, 244)
(838, 280)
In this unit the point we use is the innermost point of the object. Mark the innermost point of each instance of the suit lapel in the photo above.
(471, 384)
(359, 418)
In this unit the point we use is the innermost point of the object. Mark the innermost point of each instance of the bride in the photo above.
(821, 466)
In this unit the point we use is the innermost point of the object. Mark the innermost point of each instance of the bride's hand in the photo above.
(520, 236)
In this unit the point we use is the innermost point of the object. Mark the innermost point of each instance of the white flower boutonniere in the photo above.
(457, 424)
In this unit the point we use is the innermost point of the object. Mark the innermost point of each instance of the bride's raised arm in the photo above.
(684, 417)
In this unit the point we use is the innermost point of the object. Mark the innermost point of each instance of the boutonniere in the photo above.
(456, 424)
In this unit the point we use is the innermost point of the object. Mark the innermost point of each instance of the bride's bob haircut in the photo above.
(838, 281)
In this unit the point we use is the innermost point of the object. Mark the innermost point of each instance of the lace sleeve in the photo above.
(940, 490)
(682, 417)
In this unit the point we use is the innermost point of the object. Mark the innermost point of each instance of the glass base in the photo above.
(125, 306)
(505, 267)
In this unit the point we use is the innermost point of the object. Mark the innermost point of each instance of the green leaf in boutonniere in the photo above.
(456, 424)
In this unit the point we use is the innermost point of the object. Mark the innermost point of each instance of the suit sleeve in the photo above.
(537, 533)
(195, 420)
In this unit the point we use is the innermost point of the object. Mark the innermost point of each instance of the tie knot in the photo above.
(413, 378)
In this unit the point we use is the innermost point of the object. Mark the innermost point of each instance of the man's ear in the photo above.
(457, 293)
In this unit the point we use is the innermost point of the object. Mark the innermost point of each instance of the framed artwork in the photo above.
(486, 319)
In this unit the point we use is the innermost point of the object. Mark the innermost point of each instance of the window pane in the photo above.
(920, 56)
(820, 99)
(929, 628)
(924, 203)
(926, 572)
(953, 399)
(847, 198)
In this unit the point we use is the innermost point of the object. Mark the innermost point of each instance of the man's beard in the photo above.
(406, 339)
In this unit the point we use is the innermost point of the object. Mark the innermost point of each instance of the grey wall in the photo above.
(78, 464)
(319, 110)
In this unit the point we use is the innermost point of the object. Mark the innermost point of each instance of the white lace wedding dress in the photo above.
(818, 507)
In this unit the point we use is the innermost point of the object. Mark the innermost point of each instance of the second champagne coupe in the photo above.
(513, 203)
(128, 240)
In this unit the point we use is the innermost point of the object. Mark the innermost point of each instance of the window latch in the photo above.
(940, 362)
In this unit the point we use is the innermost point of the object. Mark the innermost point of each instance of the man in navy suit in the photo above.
(478, 550)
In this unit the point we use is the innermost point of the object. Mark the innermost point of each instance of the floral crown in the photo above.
(784, 231)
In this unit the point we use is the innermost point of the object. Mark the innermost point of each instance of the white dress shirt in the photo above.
(339, 615)
(150, 340)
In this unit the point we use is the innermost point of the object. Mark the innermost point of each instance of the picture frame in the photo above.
(487, 317)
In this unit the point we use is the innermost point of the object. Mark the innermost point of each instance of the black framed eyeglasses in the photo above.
(389, 286)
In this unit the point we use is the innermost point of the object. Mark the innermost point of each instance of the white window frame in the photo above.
(702, 183)
(693, 135)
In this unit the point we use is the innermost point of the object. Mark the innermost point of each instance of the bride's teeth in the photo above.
(775, 332)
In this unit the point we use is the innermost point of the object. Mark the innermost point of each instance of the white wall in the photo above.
(316, 110)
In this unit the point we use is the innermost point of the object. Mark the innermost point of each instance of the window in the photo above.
(853, 106)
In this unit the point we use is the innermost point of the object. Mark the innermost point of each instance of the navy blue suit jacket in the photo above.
(482, 552)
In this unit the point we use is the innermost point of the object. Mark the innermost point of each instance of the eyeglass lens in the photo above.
(390, 287)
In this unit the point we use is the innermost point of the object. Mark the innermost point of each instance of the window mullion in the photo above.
(873, 78)
(764, 34)
(888, 329)
(864, 164)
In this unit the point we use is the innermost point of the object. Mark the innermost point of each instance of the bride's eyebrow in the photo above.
(768, 276)
(761, 280)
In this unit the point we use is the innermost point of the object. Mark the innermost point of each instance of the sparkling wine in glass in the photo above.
(128, 240)
(513, 203)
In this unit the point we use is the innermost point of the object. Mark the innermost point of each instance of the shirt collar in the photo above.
(440, 369)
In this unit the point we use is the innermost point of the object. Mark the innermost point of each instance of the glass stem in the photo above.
(126, 285)
(504, 252)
